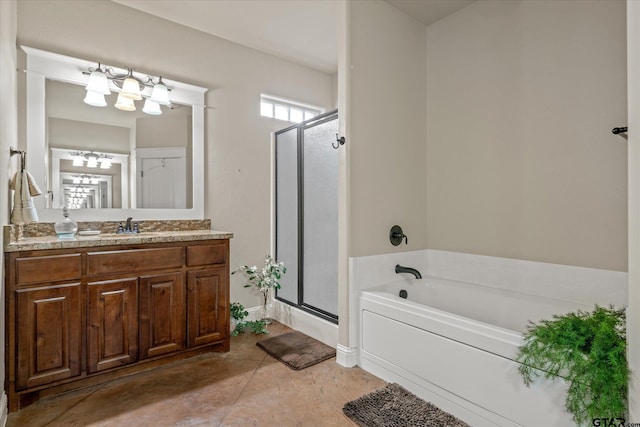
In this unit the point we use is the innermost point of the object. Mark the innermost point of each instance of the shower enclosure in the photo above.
(306, 199)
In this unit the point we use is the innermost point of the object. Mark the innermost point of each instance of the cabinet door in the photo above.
(112, 324)
(162, 308)
(207, 302)
(49, 334)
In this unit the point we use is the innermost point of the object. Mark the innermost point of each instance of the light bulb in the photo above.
(95, 98)
(105, 163)
(78, 160)
(92, 162)
(125, 104)
(98, 83)
(160, 94)
(151, 107)
(131, 89)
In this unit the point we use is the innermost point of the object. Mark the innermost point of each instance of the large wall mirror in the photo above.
(108, 164)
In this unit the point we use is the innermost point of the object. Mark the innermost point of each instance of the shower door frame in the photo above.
(300, 127)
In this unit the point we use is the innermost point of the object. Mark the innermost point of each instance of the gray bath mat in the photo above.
(297, 350)
(393, 406)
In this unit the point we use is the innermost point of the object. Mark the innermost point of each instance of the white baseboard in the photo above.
(346, 356)
(254, 312)
(3, 410)
(306, 323)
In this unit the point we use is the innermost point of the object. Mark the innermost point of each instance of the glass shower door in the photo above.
(307, 215)
(320, 217)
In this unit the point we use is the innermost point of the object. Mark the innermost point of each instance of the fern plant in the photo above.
(588, 349)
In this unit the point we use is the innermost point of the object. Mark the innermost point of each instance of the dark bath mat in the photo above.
(297, 350)
(394, 406)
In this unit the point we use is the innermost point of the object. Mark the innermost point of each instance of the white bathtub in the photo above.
(453, 343)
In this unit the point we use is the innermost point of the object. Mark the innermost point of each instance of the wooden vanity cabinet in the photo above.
(112, 324)
(162, 314)
(77, 317)
(207, 321)
(48, 334)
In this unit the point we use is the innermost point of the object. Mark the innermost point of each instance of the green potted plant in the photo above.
(238, 313)
(239, 325)
(588, 350)
(264, 281)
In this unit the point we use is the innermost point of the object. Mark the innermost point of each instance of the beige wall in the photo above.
(168, 132)
(521, 162)
(237, 138)
(8, 134)
(387, 114)
(72, 134)
(633, 310)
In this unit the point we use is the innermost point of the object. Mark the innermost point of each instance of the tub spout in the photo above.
(401, 269)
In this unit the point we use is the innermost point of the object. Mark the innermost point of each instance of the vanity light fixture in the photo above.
(93, 159)
(78, 159)
(125, 104)
(84, 179)
(105, 163)
(151, 107)
(131, 87)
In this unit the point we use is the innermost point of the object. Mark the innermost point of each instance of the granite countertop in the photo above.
(111, 239)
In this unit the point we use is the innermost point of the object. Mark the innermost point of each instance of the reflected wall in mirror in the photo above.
(132, 160)
(160, 146)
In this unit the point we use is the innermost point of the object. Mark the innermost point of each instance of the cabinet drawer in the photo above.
(206, 254)
(129, 261)
(46, 269)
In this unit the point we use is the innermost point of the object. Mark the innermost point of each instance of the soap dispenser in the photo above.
(66, 228)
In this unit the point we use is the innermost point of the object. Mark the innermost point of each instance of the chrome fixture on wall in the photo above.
(131, 89)
(396, 235)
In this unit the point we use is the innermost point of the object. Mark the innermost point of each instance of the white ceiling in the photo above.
(302, 31)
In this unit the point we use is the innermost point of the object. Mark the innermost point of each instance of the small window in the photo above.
(283, 109)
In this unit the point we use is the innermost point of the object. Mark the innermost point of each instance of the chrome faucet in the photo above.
(128, 229)
(401, 269)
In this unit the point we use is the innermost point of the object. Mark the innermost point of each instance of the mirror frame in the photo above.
(43, 65)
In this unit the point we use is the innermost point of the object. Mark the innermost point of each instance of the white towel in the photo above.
(23, 211)
(34, 190)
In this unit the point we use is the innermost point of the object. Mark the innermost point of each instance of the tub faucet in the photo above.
(401, 269)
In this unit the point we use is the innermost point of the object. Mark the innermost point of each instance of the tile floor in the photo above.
(244, 387)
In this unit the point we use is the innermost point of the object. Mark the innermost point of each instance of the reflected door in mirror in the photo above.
(162, 183)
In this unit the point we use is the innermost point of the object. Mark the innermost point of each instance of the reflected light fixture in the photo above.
(92, 162)
(105, 163)
(132, 88)
(78, 159)
(92, 159)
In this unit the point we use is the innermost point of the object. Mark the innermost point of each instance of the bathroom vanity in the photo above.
(92, 309)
